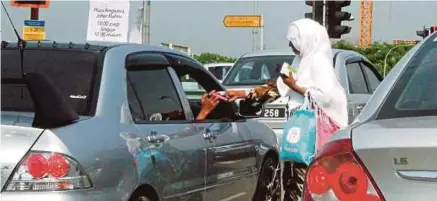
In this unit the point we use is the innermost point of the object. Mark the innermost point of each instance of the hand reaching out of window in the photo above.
(208, 103)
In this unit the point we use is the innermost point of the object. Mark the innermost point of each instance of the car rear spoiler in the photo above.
(51, 108)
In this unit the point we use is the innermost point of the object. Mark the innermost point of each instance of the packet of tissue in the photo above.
(287, 70)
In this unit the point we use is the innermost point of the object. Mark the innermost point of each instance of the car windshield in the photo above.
(256, 70)
(219, 71)
(415, 93)
(73, 71)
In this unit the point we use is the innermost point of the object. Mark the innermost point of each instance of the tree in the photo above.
(208, 57)
(377, 53)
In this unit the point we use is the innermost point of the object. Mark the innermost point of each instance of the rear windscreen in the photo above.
(73, 72)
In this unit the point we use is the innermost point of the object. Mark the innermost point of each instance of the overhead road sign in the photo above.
(242, 21)
(34, 30)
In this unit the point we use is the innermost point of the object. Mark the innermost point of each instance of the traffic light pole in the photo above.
(34, 13)
(262, 33)
(324, 13)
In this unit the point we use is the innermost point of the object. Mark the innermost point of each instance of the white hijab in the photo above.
(316, 71)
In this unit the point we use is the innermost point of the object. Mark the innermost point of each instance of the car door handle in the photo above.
(208, 135)
(157, 138)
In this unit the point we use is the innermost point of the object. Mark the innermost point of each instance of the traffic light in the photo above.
(317, 11)
(31, 4)
(423, 33)
(335, 16)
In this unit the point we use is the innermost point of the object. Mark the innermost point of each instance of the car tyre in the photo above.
(268, 187)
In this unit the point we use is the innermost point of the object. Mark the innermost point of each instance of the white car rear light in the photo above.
(337, 174)
(45, 171)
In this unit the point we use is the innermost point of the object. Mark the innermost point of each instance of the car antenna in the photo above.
(21, 43)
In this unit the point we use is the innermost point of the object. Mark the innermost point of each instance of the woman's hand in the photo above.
(235, 94)
(291, 82)
(208, 104)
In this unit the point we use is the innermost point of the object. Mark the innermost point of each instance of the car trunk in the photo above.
(17, 137)
(399, 155)
(270, 120)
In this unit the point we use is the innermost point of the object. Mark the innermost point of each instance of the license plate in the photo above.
(273, 113)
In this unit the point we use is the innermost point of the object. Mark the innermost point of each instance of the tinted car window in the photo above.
(256, 70)
(217, 72)
(414, 94)
(357, 83)
(73, 71)
(153, 101)
(206, 84)
(372, 79)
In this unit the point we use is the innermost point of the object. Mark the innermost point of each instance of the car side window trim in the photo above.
(158, 59)
(351, 60)
(365, 64)
(372, 68)
(180, 91)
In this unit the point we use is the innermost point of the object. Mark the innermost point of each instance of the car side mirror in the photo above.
(247, 110)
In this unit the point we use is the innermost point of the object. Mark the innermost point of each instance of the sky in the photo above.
(199, 24)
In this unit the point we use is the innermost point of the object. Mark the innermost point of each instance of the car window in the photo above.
(256, 70)
(205, 84)
(414, 94)
(74, 72)
(357, 83)
(148, 102)
(372, 79)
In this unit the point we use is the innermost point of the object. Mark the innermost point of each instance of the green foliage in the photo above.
(208, 57)
(377, 53)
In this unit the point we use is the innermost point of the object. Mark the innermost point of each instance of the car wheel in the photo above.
(268, 187)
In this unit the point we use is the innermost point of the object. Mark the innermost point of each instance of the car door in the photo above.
(231, 165)
(177, 149)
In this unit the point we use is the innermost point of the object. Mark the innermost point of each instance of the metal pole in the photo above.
(254, 29)
(324, 13)
(386, 56)
(146, 22)
(262, 33)
(34, 13)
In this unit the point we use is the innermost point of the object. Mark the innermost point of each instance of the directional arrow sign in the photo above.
(242, 21)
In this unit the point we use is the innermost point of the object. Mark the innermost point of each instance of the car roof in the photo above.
(287, 51)
(91, 46)
(218, 64)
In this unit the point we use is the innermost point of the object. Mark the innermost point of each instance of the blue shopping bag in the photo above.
(299, 138)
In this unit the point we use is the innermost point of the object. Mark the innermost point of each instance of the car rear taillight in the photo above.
(337, 174)
(46, 171)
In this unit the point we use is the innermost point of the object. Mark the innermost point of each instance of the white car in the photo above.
(219, 70)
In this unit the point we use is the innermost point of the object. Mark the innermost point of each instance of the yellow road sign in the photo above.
(34, 30)
(242, 21)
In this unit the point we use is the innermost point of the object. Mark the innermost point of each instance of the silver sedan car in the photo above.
(388, 152)
(114, 123)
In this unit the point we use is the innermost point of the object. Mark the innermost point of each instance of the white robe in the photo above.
(315, 71)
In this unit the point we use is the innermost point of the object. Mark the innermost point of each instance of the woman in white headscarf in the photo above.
(316, 78)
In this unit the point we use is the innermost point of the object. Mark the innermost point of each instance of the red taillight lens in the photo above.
(337, 174)
(58, 166)
(37, 165)
(47, 171)
(40, 165)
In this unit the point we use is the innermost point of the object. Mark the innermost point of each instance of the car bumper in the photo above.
(76, 195)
